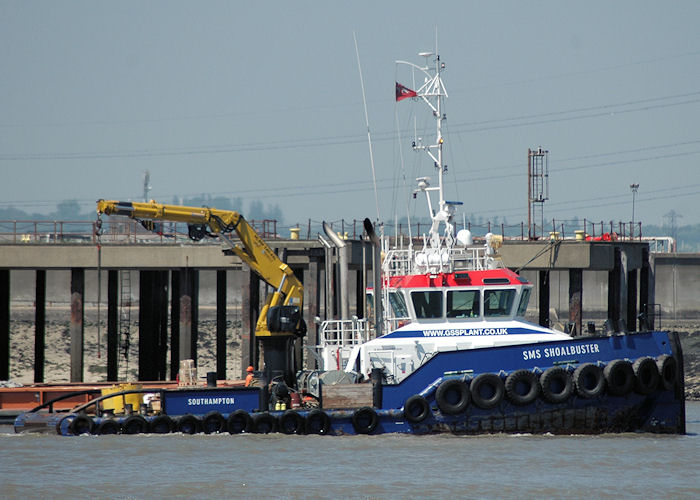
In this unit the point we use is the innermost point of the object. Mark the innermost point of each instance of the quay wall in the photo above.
(676, 287)
(675, 278)
(676, 290)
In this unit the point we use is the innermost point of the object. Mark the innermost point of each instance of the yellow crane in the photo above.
(280, 321)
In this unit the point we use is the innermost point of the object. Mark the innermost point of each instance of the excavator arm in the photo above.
(281, 315)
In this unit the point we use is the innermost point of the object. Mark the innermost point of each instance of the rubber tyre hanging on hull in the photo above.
(416, 409)
(108, 427)
(213, 423)
(318, 422)
(188, 424)
(668, 370)
(264, 423)
(487, 390)
(522, 387)
(589, 381)
(238, 422)
(619, 376)
(291, 423)
(556, 384)
(135, 424)
(452, 396)
(646, 376)
(365, 420)
(162, 424)
(82, 424)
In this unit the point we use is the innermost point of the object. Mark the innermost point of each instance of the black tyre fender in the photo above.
(365, 420)
(589, 381)
(82, 424)
(264, 423)
(522, 387)
(416, 409)
(162, 424)
(188, 424)
(619, 376)
(318, 422)
(213, 422)
(646, 375)
(59, 425)
(108, 426)
(239, 421)
(452, 396)
(556, 384)
(668, 370)
(487, 390)
(291, 422)
(135, 424)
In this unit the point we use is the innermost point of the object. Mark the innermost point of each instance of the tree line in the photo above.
(71, 210)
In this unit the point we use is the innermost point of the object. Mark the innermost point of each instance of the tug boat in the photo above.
(458, 356)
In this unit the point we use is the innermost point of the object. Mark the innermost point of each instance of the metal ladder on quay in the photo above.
(125, 317)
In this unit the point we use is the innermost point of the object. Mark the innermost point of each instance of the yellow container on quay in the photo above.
(117, 403)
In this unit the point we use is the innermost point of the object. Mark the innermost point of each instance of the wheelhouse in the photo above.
(462, 304)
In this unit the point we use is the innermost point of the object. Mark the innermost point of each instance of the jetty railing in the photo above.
(130, 231)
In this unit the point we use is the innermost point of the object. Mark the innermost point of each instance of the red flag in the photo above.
(404, 92)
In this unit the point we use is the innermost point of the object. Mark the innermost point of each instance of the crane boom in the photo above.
(281, 315)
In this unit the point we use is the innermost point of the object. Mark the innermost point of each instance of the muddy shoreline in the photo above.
(57, 350)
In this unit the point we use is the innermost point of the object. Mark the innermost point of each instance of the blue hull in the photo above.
(588, 385)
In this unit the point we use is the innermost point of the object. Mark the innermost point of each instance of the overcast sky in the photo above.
(262, 100)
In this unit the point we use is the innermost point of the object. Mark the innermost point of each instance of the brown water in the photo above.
(387, 466)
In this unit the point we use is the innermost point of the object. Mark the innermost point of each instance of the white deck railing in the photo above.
(400, 262)
(343, 332)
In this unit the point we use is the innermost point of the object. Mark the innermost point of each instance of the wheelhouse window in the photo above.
(369, 313)
(427, 304)
(398, 305)
(498, 302)
(524, 299)
(463, 304)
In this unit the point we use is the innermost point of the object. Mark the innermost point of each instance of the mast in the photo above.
(441, 165)
(432, 93)
(440, 253)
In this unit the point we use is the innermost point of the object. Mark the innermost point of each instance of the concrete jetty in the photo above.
(578, 284)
